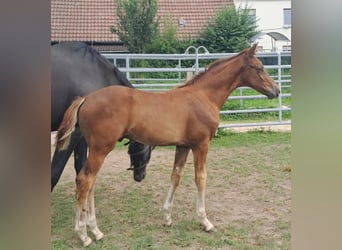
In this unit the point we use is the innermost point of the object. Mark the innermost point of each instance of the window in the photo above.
(252, 14)
(260, 48)
(287, 48)
(287, 17)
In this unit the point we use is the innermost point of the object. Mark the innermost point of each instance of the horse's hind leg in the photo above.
(200, 155)
(180, 159)
(92, 216)
(84, 183)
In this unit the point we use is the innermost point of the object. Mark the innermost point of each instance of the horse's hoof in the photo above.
(99, 236)
(168, 222)
(168, 219)
(87, 241)
(211, 229)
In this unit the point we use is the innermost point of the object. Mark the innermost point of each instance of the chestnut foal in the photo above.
(187, 117)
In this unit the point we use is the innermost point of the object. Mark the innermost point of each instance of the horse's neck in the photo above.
(218, 83)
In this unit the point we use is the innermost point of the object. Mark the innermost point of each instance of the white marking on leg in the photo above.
(92, 223)
(168, 206)
(200, 155)
(200, 209)
(81, 226)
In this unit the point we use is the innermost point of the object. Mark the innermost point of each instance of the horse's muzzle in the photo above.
(139, 177)
(273, 93)
(138, 173)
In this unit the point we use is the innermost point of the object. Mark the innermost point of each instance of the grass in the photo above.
(227, 139)
(246, 200)
(255, 104)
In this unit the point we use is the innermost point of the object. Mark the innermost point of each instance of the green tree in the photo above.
(137, 25)
(163, 42)
(166, 41)
(229, 31)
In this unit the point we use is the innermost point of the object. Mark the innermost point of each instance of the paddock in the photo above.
(249, 201)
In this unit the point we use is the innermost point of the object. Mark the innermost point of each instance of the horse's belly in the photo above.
(158, 134)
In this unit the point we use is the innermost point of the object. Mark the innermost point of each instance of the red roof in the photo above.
(90, 20)
(193, 13)
(82, 20)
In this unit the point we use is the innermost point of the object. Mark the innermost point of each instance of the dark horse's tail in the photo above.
(68, 124)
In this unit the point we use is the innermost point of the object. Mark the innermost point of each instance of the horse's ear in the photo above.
(251, 51)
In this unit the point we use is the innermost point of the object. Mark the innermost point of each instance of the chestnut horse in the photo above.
(187, 117)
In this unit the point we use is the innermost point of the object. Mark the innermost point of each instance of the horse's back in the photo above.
(78, 70)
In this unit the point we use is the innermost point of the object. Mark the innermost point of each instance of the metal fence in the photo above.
(160, 72)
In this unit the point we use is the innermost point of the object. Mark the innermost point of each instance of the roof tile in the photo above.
(90, 20)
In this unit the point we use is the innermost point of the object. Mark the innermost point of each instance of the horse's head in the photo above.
(140, 155)
(255, 76)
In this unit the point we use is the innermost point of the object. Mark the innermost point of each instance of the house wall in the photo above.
(270, 18)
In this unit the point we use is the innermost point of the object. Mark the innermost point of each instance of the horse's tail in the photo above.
(68, 124)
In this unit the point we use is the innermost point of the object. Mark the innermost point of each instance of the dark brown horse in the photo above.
(186, 117)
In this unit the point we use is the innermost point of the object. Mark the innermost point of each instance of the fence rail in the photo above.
(142, 72)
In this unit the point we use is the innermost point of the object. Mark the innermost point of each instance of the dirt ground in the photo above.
(234, 194)
(276, 128)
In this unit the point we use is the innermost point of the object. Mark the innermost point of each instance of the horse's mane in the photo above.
(211, 66)
(95, 55)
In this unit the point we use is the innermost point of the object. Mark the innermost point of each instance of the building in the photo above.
(274, 23)
(89, 21)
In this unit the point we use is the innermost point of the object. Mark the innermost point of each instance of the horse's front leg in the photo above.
(200, 156)
(180, 159)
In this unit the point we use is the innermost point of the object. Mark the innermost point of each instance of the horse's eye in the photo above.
(260, 69)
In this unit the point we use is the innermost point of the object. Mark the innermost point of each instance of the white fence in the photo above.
(170, 70)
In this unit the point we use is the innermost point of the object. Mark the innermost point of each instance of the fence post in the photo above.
(187, 52)
(179, 73)
(280, 109)
(127, 68)
(241, 100)
(196, 54)
(197, 50)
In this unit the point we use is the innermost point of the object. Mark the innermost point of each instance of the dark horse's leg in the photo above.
(60, 158)
(80, 154)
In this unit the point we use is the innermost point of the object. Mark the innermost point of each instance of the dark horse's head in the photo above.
(140, 155)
